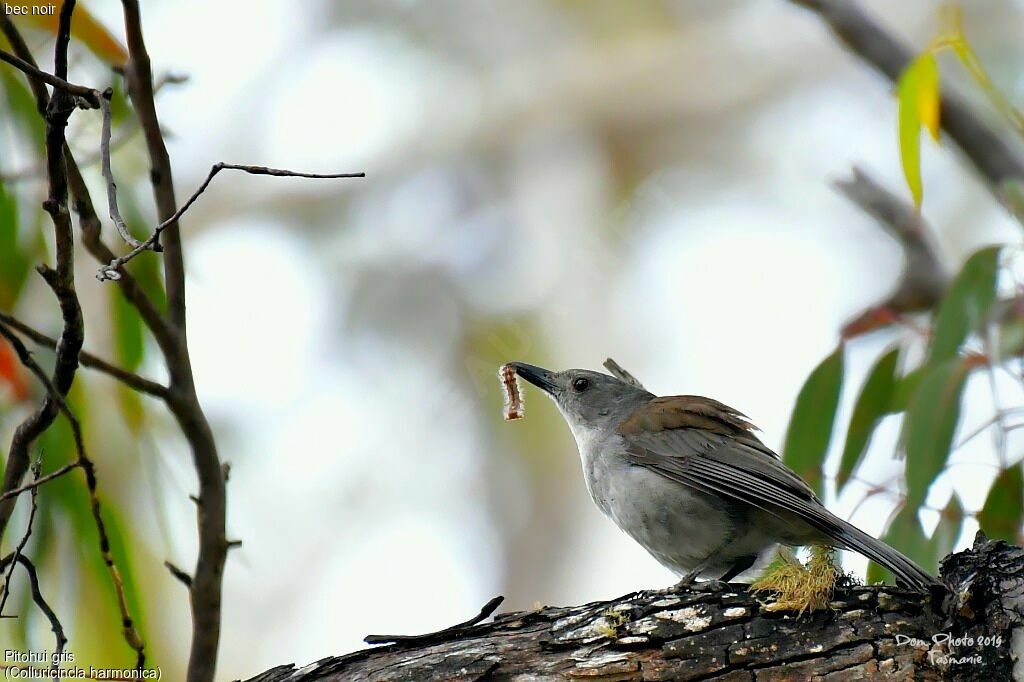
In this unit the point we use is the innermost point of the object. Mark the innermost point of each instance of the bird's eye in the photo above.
(580, 384)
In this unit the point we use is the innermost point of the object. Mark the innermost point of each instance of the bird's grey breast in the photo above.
(675, 523)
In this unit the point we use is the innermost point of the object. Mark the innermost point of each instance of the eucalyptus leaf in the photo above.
(813, 419)
(873, 403)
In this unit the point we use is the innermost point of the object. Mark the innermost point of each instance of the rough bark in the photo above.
(871, 632)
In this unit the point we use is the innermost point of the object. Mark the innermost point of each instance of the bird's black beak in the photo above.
(538, 376)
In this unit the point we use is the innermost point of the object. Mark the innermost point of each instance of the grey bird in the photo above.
(686, 477)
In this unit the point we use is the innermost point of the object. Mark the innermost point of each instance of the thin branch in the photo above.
(125, 134)
(40, 481)
(993, 157)
(206, 590)
(165, 335)
(485, 612)
(24, 539)
(21, 49)
(139, 77)
(924, 279)
(40, 602)
(111, 270)
(998, 417)
(181, 575)
(61, 279)
(130, 379)
(131, 635)
(86, 98)
(108, 175)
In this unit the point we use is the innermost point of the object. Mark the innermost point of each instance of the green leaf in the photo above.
(1003, 513)
(918, 102)
(873, 403)
(906, 387)
(128, 331)
(14, 263)
(23, 110)
(906, 535)
(1011, 194)
(966, 303)
(810, 427)
(930, 424)
(147, 271)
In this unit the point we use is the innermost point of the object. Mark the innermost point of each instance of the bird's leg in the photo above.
(689, 580)
(741, 564)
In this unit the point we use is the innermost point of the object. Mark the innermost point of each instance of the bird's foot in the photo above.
(713, 586)
(689, 583)
(797, 587)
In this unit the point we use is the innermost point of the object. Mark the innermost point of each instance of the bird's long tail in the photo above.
(905, 570)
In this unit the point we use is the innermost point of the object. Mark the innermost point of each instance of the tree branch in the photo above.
(61, 279)
(869, 632)
(83, 462)
(24, 540)
(166, 337)
(89, 360)
(40, 602)
(36, 482)
(108, 175)
(207, 578)
(992, 155)
(86, 98)
(924, 279)
(111, 270)
(139, 74)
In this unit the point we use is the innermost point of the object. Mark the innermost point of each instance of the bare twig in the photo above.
(206, 588)
(20, 48)
(40, 481)
(61, 280)
(181, 575)
(992, 156)
(130, 379)
(165, 336)
(86, 98)
(124, 135)
(111, 270)
(139, 76)
(24, 539)
(485, 612)
(108, 175)
(131, 635)
(999, 418)
(40, 602)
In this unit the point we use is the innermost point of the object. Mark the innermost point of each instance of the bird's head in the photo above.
(586, 399)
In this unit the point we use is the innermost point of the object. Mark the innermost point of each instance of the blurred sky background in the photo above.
(550, 181)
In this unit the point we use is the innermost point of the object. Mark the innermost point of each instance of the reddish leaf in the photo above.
(11, 371)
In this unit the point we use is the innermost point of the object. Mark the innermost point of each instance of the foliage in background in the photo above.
(976, 327)
(64, 540)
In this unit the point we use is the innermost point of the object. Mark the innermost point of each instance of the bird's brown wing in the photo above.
(678, 426)
(700, 443)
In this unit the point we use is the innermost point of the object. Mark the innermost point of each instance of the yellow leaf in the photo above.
(928, 100)
(84, 27)
(918, 103)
